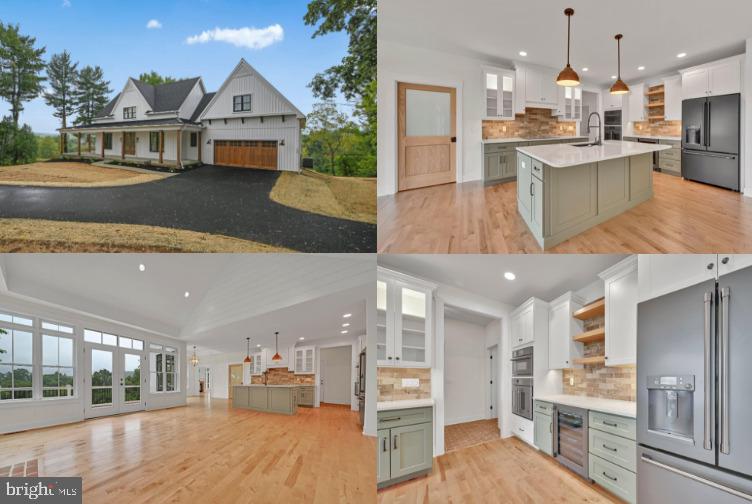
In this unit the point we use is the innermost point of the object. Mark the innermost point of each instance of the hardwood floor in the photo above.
(207, 452)
(463, 435)
(502, 471)
(682, 217)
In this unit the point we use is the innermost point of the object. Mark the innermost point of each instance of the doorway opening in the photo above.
(113, 379)
(335, 375)
(471, 377)
(234, 377)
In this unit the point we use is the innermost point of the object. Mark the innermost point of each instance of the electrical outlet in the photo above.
(504, 129)
(571, 380)
(410, 382)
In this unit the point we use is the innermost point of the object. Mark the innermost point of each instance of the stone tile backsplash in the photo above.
(283, 376)
(600, 381)
(534, 123)
(660, 128)
(389, 381)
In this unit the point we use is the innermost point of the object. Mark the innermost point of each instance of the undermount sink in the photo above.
(584, 144)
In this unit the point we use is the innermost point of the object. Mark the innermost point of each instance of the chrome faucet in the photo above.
(596, 114)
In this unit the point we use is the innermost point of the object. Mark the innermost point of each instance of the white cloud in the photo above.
(153, 24)
(252, 38)
(66, 3)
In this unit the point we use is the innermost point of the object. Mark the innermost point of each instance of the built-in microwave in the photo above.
(522, 362)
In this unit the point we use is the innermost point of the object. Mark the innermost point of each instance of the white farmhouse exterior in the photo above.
(246, 123)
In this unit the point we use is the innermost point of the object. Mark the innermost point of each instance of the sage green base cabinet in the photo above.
(306, 395)
(405, 444)
(272, 399)
(564, 202)
(544, 437)
(500, 159)
(613, 454)
(669, 161)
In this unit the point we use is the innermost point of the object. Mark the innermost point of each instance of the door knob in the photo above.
(454, 140)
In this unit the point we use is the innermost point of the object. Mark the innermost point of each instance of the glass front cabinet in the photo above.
(498, 96)
(404, 320)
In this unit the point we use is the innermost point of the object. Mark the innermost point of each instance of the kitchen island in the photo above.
(269, 398)
(562, 189)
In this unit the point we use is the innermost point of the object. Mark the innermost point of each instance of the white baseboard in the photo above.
(747, 192)
(469, 418)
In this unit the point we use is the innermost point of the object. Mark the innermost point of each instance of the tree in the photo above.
(91, 95)
(155, 79)
(63, 78)
(17, 145)
(21, 65)
(326, 126)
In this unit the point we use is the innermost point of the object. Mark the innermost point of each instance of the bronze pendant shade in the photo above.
(276, 357)
(619, 87)
(568, 77)
(248, 354)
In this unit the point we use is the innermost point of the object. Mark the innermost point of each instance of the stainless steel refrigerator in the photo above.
(694, 394)
(710, 140)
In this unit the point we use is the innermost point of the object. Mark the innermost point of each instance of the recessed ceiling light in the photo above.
(343, 332)
(187, 294)
(585, 69)
(301, 338)
(141, 267)
(613, 76)
(346, 324)
(347, 315)
(509, 275)
(681, 55)
(523, 53)
(258, 346)
(640, 68)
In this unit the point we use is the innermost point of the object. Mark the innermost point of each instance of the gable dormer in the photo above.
(130, 105)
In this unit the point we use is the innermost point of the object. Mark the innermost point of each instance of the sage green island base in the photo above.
(269, 398)
(405, 445)
(562, 190)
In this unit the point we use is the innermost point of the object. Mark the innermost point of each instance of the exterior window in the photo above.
(194, 139)
(163, 368)
(135, 344)
(100, 337)
(129, 112)
(16, 363)
(154, 141)
(108, 141)
(57, 366)
(241, 103)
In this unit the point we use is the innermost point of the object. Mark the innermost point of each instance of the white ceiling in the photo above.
(654, 32)
(231, 295)
(543, 276)
(455, 313)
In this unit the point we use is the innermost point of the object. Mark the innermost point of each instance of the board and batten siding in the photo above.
(142, 146)
(288, 155)
(130, 97)
(190, 102)
(264, 99)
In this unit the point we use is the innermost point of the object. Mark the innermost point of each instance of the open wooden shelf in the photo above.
(656, 92)
(591, 336)
(598, 359)
(656, 104)
(594, 309)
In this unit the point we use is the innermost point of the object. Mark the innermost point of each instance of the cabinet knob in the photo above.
(396, 358)
(390, 358)
(725, 260)
(711, 265)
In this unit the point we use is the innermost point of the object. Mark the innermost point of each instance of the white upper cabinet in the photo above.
(610, 102)
(562, 328)
(540, 88)
(716, 78)
(637, 102)
(569, 104)
(621, 295)
(404, 309)
(284, 352)
(304, 360)
(258, 365)
(672, 97)
(528, 322)
(498, 93)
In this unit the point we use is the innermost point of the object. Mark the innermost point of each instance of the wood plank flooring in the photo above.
(463, 435)
(207, 452)
(503, 471)
(682, 217)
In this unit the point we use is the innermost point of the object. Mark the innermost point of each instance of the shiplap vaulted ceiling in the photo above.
(231, 295)
(655, 31)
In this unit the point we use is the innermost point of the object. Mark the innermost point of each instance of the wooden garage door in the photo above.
(246, 153)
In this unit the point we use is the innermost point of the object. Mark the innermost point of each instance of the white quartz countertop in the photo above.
(656, 137)
(520, 139)
(406, 404)
(612, 406)
(563, 155)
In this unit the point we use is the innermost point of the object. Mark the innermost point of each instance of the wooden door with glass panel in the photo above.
(426, 124)
(235, 377)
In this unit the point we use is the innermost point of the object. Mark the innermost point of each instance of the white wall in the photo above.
(592, 291)
(15, 416)
(218, 365)
(746, 121)
(466, 386)
(191, 101)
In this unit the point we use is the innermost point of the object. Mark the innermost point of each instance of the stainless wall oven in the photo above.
(571, 438)
(522, 397)
(522, 362)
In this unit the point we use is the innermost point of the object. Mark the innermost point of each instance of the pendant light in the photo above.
(568, 77)
(248, 351)
(619, 87)
(194, 359)
(276, 357)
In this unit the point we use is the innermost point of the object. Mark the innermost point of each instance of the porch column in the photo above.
(62, 148)
(161, 146)
(199, 147)
(180, 138)
(122, 145)
(102, 147)
(79, 145)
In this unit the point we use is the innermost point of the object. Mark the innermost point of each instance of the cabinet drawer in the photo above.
(674, 154)
(494, 148)
(670, 165)
(544, 407)
(615, 449)
(613, 424)
(537, 168)
(615, 479)
(397, 418)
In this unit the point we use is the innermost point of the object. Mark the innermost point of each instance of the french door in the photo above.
(114, 380)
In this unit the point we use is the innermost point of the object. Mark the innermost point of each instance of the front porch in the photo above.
(173, 146)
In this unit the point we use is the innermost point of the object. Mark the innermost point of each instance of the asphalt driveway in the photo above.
(211, 199)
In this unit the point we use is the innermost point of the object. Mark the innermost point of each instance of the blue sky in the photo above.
(183, 42)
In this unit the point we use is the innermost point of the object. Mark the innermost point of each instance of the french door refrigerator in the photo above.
(694, 393)
(710, 140)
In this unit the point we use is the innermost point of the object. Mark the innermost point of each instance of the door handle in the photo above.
(723, 370)
(384, 446)
(694, 477)
(707, 127)
(395, 442)
(454, 140)
(609, 448)
(708, 418)
(532, 192)
(609, 477)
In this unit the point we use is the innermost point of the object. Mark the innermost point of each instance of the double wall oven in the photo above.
(522, 382)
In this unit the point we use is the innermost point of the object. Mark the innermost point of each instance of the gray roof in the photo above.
(201, 106)
(107, 110)
(161, 98)
(145, 122)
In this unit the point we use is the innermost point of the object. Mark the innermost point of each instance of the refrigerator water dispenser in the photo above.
(670, 400)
